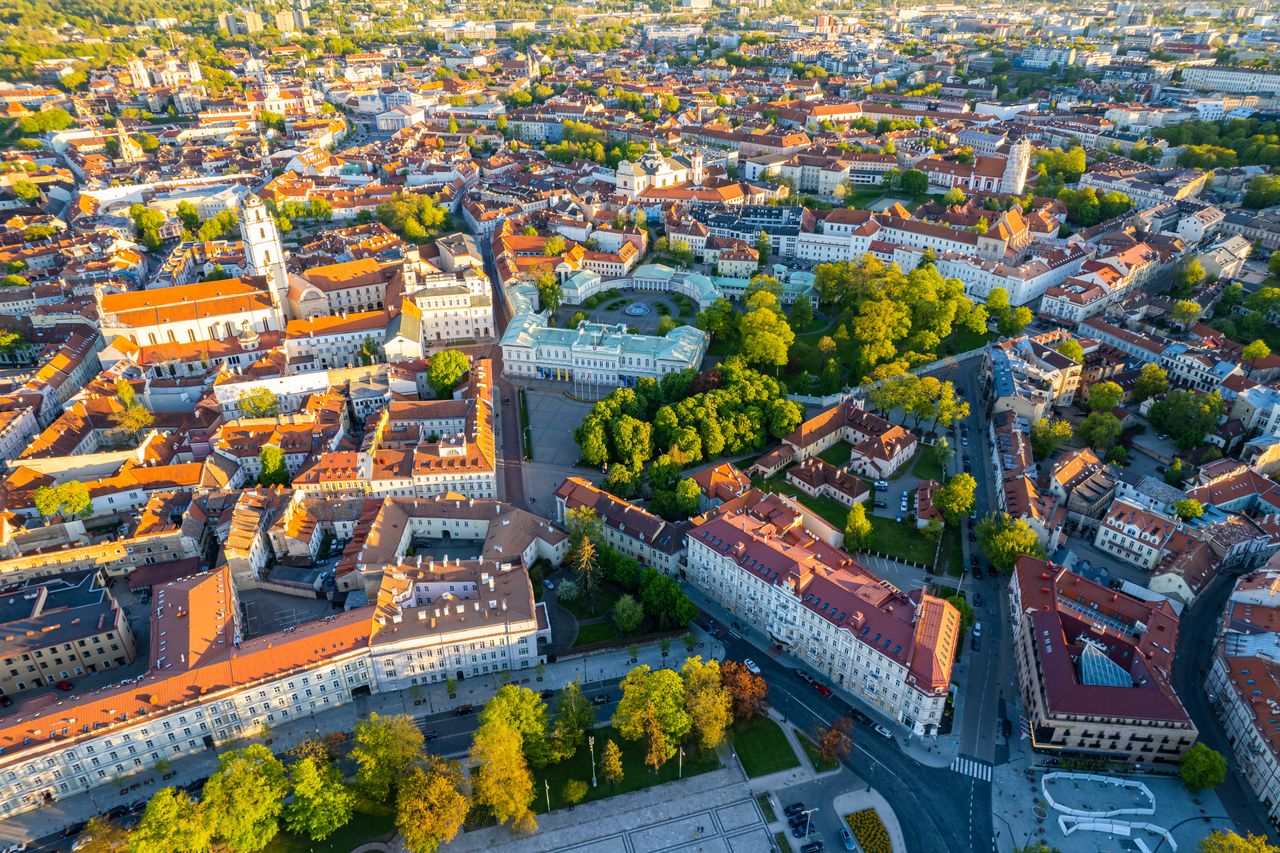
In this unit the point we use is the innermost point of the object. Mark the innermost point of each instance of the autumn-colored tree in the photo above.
(708, 703)
(748, 691)
(834, 741)
(431, 805)
(611, 763)
(657, 749)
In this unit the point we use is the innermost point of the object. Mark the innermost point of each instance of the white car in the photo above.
(883, 732)
(977, 629)
(751, 666)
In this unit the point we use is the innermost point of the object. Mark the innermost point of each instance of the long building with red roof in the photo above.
(772, 564)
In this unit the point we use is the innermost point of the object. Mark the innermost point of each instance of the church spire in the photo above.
(264, 251)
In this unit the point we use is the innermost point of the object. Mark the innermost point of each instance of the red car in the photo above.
(64, 685)
(822, 689)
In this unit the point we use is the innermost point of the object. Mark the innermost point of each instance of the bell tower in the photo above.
(1014, 179)
(263, 251)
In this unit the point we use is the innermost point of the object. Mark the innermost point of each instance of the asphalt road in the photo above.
(938, 809)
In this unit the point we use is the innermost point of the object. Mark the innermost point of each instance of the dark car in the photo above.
(991, 570)
(813, 847)
(547, 694)
(973, 560)
(793, 809)
(797, 820)
(977, 642)
(977, 599)
(463, 710)
(799, 831)
(74, 829)
(602, 699)
(858, 716)
(431, 735)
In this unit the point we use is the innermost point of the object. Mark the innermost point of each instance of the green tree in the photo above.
(523, 710)
(575, 790)
(132, 420)
(1185, 312)
(1104, 396)
(653, 698)
(801, 314)
(1047, 436)
(627, 614)
(554, 245)
(766, 336)
(243, 799)
(1258, 349)
(274, 472)
(914, 182)
(1188, 508)
(385, 749)
(259, 403)
(25, 191)
(321, 803)
(953, 196)
(956, 498)
(708, 704)
(67, 500)
(962, 605)
(1004, 539)
(1264, 191)
(172, 823)
(550, 292)
(1187, 416)
(942, 453)
(1187, 276)
(1202, 768)
(446, 371)
(1015, 321)
(1151, 382)
(501, 780)
(431, 805)
(611, 763)
(1100, 430)
(575, 716)
(1071, 349)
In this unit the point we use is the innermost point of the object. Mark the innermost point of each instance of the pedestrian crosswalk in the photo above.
(972, 767)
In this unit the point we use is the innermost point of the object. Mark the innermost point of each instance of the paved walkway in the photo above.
(711, 813)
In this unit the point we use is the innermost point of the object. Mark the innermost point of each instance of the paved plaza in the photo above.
(711, 813)
(645, 324)
(1024, 814)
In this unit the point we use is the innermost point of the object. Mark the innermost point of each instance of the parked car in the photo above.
(822, 689)
(879, 504)
(964, 439)
(463, 710)
(431, 735)
(882, 731)
(602, 699)
(547, 582)
(973, 560)
(846, 838)
(813, 847)
(977, 629)
(751, 666)
(797, 820)
(858, 716)
(793, 809)
(881, 485)
(977, 643)
(991, 570)
(977, 599)
(799, 831)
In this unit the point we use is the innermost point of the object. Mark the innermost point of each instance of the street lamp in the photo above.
(548, 787)
(808, 818)
(680, 770)
(591, 744)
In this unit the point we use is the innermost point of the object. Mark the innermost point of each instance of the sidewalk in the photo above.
(588, 669)
(935, 751)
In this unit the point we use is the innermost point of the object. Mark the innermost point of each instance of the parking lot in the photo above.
(265, 612)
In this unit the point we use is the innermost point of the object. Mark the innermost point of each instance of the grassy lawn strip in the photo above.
(837, 454)
(635, 774)
(927, 468)
(899, 539)
(370, 822)
(595, 632)
(766, 808)
(763, 747)
(819, 763)
(952, 547)
(526, 434)
(784, 844)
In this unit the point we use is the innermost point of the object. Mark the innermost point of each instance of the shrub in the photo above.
(870, 831)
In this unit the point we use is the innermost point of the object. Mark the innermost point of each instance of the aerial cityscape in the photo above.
(639, 427)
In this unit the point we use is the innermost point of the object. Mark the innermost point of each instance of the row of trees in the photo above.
(415, 217)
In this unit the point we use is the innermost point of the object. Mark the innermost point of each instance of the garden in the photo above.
(870, 831)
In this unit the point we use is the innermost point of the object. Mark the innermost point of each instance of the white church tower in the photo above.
(1014, 179)
(263, 251)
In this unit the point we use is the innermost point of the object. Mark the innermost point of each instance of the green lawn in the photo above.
(819, 763)
(595, 632)
(951, 546)
(835, 513)
(837, 454)
(635, 774)
(603, 602)
(762, 747)
(784, 844)
(927, 467)
(375, 824)
(900, 539)
(766, 808)
(963, 340)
